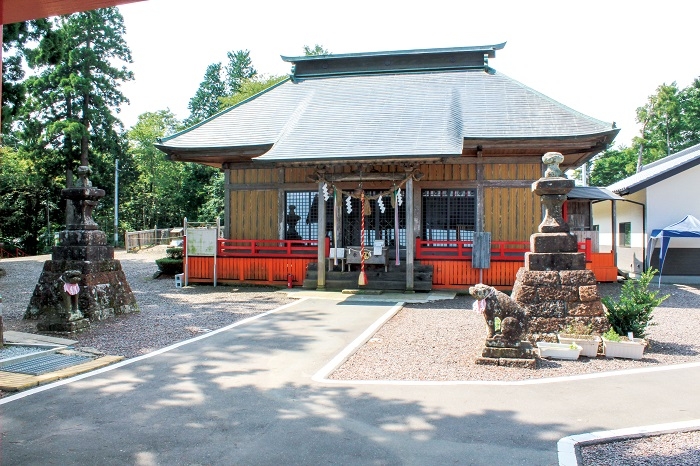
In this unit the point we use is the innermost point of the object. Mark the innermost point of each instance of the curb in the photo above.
(569, 448)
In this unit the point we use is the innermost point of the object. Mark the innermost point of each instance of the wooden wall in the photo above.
(509, 209)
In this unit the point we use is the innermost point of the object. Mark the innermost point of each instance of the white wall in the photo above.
(626, 212)
(670, 200)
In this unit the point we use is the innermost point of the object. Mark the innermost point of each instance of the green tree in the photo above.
(690, 114)
(613, 165)
(205, 101)
(75, 93)
(16, 36)
(219, 83)
(69, 114)
(239, 69)
(316, 50)
(660, 118)
(249, 88)
(154, 197)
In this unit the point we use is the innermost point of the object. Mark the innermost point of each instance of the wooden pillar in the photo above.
(227, 203)
(480, 195)
(321, 268)
(410, 235)
(614, 232)
(281, 206)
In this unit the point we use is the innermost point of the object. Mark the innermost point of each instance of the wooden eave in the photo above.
(214, 156)
(576, 150)
(15, 11)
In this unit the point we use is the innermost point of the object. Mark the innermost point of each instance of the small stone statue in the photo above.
(292, 220)
(552, 160)
(71, 290)
(83, 173)
(494, 304)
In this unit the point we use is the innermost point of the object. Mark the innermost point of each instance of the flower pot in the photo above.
(558, 350)
(630, 349)
(589, 343)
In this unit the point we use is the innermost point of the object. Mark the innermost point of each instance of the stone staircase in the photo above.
(377, 278)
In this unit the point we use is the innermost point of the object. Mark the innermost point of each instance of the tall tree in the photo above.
(16, 37)
(316, 50)
(239, 69)
(75, 93)
(249, 88)
(155, 195)
(219, 83)
(205, 101)
(690, 114)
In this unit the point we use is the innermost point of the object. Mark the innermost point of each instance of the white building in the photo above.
(663, 193)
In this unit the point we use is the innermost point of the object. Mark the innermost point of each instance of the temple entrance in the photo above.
(380, 224)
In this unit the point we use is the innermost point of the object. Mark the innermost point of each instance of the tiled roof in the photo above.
(658, 171)
(386, 115)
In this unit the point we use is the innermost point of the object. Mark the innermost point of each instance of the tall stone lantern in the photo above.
(82, 282)
(554, 284)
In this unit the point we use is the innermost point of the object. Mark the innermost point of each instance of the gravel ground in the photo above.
(661, 450)
(441, 340)
(433, 341)
(168, 314)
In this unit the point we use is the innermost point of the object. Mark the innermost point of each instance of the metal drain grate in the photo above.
(43, 364)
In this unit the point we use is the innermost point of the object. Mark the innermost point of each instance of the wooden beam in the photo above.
(15, 11)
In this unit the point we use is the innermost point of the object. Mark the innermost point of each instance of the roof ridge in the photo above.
(475, 48)
(669, 158)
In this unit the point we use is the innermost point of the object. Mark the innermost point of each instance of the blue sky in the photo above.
(602, 58)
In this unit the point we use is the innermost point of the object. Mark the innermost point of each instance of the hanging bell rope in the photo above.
(362, 280)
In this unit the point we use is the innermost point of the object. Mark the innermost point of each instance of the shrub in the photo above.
(633, 311)
(169, 266)
(174, 253)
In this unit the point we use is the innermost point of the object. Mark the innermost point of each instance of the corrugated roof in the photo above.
(658, 171)
(386, 115)
(593, 193)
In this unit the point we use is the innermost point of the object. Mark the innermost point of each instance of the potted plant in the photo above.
(582, 335)
(631, 314)
(618, 346)
(559, 350)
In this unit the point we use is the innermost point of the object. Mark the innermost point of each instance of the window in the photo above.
(301, 215)
(449, 214)
(625, 237)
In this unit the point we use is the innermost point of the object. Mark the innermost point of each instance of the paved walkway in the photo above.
(245, 395)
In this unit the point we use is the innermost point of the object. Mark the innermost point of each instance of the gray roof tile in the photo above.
(386, 115)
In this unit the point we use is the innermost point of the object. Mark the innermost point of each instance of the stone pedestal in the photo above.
(519, 355)
(83, 257)
(554, 284)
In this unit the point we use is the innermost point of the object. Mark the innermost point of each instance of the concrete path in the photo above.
(246, 396)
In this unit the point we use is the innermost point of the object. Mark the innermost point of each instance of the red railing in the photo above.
(270, 248)
(500, 250)
(5, 254)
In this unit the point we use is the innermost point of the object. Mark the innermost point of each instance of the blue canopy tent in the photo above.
(689, 227)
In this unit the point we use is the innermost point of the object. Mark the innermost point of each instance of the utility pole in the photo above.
(116, 203)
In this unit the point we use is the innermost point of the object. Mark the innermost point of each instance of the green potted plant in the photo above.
(630, 316)
(619, 346)
(582, 335)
